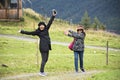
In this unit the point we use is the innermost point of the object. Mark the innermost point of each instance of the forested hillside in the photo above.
(107, 11)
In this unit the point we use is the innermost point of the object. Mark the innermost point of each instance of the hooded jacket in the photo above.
(45, 42)
(79, 40)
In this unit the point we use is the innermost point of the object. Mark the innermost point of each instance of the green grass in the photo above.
(109, 75)
(94, 38)
(20, 57)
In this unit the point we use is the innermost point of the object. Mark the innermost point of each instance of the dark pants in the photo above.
(80, 53)
(44, 56)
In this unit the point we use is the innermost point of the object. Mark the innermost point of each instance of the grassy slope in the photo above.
(97, 38)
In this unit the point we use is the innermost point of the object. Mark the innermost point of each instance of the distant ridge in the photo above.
(107, 11)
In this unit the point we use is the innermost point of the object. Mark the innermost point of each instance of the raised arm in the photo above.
(76, 35)
(54, 13)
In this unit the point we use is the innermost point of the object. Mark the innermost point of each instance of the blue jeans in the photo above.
(80, 53)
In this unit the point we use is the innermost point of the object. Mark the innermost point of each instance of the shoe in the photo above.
(82, 70)
(76, 72)
(42, 74)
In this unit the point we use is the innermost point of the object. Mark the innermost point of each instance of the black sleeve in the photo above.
(29, 33)
(50, 22)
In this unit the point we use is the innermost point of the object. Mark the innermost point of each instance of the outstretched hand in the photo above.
(20, 31)
(66, 32)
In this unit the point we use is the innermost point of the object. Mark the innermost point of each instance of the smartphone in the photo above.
(55, 12)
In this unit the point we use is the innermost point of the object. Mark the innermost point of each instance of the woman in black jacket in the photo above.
(45, 44)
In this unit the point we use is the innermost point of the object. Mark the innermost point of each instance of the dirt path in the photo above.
(54, 76)
(53, 42)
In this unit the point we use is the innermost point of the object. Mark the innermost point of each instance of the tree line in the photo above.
(95, 25)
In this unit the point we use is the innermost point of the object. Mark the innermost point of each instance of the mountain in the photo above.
(107, 11)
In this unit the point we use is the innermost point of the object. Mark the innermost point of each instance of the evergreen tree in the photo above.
(97, 24)
(85, 20)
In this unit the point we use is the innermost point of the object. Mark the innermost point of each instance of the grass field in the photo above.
(20, 57)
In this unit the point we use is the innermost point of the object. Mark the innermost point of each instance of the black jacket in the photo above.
(45, 43)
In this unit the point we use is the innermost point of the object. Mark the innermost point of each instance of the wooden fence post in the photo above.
(107, 53)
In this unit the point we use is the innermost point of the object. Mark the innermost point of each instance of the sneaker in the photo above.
(82, 70)
(42, 74)
(76, 72)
